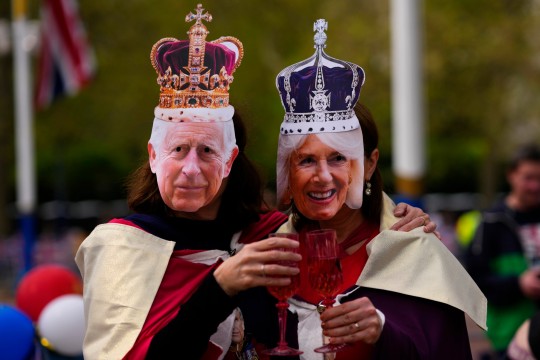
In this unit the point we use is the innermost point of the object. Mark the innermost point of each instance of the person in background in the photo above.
(404, 295)
(161, 283)
(504, 256)
(525, 344)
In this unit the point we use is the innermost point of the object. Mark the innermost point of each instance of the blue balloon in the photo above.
(16, 334)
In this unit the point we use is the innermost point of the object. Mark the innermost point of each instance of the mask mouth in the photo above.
(322, 195)
(191, 187)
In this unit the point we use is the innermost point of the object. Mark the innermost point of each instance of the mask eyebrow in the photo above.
(302, 155)
(173, 141)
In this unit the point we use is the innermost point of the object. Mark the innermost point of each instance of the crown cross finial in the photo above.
(320, 36)
(199, 15)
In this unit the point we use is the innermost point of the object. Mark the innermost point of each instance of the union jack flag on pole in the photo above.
(66, 61)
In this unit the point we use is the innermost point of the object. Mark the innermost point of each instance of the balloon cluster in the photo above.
(48, 307)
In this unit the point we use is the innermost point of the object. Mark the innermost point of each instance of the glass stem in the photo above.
(282, 307)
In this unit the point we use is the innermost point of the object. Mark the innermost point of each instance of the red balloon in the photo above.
(41, 285)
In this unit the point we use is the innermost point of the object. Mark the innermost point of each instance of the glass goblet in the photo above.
(282, 293)
(324, 271)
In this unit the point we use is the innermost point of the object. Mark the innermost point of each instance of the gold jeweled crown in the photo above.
(195, 73)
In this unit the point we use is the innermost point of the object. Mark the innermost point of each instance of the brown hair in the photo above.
(527, 152)
(372, 204)
(242, 199)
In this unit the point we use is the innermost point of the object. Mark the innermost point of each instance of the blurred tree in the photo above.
(482, 77)
(481, 72)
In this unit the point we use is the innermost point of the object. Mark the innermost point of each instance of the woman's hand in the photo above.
(352, 321)
(411, 218)
(255, 265)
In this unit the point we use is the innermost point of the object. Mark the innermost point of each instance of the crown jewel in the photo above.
(195, 73)
(319, 93)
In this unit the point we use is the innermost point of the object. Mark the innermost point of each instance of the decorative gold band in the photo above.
(194, 99)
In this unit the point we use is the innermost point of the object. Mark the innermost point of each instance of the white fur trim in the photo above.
(316, 127)
(194, 114)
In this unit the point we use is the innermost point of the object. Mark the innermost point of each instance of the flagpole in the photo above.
(408, 133)
(24, 136)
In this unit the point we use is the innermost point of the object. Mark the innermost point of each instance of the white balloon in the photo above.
(62, 323)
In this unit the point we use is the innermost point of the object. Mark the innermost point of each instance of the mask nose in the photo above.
(322, 172)
(191, 166)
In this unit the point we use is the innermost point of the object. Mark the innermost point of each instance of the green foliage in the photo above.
(480, 67)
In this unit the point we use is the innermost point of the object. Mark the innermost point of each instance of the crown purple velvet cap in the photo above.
(319, 93)
(175, 54)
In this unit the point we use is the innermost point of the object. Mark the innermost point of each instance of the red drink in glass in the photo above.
(285, 292)
(324, 271)
(282, 293)
(325, 276)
